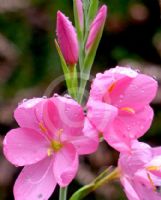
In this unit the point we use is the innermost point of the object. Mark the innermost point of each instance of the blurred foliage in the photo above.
(29, 61)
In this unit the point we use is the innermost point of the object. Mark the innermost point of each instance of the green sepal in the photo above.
(91, 52)
(87, 189)
(93, 8)
(82, 192)
(65, 68)
(79, 29)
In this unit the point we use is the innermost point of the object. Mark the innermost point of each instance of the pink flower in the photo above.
(140, 175)
(67, 39)
(118, 105)
(96, 26)
(48, 142)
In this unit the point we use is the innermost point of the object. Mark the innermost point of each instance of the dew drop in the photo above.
(44, 97)
(67, 96)
(137, 70)
(56, 95)
(154, 77)
(24, 100)
(121, 96)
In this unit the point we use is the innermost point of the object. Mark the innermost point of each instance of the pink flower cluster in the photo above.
(55, 131)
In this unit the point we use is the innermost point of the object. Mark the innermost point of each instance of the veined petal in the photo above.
(134, 125)
(36, 181)
(29, 113)
(65, 164)
(101, 115)
(138, 93)
(24, 146)
(68, 116)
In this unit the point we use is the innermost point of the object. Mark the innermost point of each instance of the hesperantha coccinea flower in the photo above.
(118, 105)
(53, 133)
(140, 170)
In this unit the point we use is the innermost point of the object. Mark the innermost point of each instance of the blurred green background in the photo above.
(29, 63)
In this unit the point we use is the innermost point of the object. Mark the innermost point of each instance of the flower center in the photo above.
(56, 144)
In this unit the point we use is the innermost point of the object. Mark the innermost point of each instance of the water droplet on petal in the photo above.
(56, 95)
(154, 77)
(24, 100)
(137, 70)
(44, 97)
(67, 96)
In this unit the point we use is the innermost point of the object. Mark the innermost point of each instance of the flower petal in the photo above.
(138, 93)
(88, 142)
(24, 146)
(101, 115)
(35, 181)
(134, 125)
(65, 165)
(129, 190)
(68, 115)
(29, 113)
(138, 156)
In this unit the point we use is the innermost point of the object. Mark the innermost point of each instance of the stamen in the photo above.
(153, 168)
(59, 133)
(151, 182)
(128, 109)
(112, 86)
(42, 127)
(49, 151)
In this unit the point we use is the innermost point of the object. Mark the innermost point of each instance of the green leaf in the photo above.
(65, 68)
(82, 192)
(91, 53)
(93, 8)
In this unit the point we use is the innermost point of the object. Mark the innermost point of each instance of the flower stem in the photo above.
(63, 193)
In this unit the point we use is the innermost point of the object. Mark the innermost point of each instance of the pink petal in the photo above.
(140, 92)
(99, 86)
(35, 181)
(68, 115)
(23, 146)
(29, 113)
(65, 165)
(129, 190)
(154, 166)
(120, 142)
(88, 142)
(134, 125)
(145, 187)
(101, 115)
(67, 39)
(156, 151)
(96, 26)
(138, 156)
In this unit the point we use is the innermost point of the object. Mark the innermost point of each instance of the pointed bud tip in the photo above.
(96, 26)
(67, 38)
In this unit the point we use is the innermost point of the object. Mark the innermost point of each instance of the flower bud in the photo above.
(96, 26)
(79, 13)
(67, 39)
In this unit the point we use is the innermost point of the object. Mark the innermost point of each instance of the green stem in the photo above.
(113, 175)
(63, 193)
